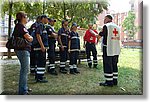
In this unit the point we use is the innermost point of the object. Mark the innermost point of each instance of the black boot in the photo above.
(115, 82)
(76, 70)
(110, 84)
(90, 65)
(72, 71)
(53, 71)
(63, 70)
(41, 79)
(32, 71)
(95, 66)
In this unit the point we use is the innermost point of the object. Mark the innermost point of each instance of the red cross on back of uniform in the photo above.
(115, 32)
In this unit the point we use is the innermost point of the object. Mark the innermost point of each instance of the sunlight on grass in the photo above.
(130, 79)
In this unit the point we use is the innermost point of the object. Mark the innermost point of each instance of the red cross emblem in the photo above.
(115, 32)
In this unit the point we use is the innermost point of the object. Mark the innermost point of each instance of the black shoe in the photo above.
(90, 66)
(41, 81)
(29, 90)
(63, 70)
(105, 84)
(76, 70)
(95, 66)
(72, 71)
(115, 82)
(32, 71)
(27, 93)
(48, 69)
(53, 72)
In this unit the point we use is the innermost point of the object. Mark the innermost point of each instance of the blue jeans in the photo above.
(24, 58)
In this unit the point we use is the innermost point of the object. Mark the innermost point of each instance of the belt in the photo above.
(36, 49)
(105, 45)
(90, 43)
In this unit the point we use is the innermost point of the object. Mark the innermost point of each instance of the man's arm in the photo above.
(54, 35)
(59, 38)
(38, 36)
(69, 43)
(85, 39)
(40, 42)
(103, 32)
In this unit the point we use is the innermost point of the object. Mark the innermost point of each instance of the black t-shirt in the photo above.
(19, 31)
(104, 35)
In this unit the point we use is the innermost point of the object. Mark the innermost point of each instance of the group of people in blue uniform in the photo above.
(44, 40)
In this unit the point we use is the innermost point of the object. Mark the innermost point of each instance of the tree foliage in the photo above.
(80, 12)
(129, 24)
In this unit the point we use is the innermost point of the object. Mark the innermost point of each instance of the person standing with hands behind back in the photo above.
(73, 49)
(41, 47)
(23, 54)
(63, 45)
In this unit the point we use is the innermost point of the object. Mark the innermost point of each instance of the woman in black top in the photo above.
(24, 53)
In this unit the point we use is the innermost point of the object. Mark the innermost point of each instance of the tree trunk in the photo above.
(43, 7)
(9, 27)
(64, 10)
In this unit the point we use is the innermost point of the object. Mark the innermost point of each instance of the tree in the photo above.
(31, 8)
(80, 12)
(129, 25)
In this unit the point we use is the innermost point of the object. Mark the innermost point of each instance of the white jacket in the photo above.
(113, 39)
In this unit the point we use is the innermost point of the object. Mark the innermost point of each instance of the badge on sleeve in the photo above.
(50, 30)
(25, 30)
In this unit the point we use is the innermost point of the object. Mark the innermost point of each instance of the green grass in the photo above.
(130, 79)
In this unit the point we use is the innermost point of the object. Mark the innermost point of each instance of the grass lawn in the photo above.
(130, 79)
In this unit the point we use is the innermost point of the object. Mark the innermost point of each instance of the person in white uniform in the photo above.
(111, 51)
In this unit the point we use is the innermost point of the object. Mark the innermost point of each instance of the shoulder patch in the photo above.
(50, 30)
(25, 30)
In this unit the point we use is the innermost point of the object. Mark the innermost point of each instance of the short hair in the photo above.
(109, 16)
(38, 18)
(43, 16)
(51, 19)
(63, 21)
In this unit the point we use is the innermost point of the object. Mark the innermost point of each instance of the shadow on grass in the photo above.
(86, 83)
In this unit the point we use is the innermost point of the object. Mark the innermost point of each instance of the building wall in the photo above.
(136, 6)
(4, 26)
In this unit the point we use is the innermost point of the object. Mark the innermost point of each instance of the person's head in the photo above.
(74, 27)
(21, 17)
(44, 19)
(108, 19)
(65, 23)
(38, 19)
(90, 25)
(51, 21)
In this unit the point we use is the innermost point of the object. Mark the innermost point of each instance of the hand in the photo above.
(55, 36)
(62, 48)
(43, 49)
(68, 50)
(96, 43)
(84, 46)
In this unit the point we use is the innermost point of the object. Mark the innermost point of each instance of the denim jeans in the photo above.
(24, 59)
